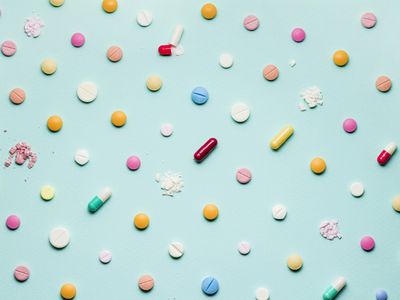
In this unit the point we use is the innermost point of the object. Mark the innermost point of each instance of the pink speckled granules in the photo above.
(330, 230)
(21, 152)
(33, 26)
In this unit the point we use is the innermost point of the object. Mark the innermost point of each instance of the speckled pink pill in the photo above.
(349, 125)
(13, 222)
(78, 40)
(298, 35)
(8, 48)
(251, 23)
(133, 163)
(21, 273)
(368, 20)
(367, 243)
(243, 175)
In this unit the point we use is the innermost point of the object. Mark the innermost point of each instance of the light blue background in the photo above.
(245, 210)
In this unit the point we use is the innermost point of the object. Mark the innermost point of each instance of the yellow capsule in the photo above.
(281, 137)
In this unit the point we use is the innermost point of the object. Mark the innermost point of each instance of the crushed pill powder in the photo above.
(33, 26)
(312, 96)
(330, 230)
(171, 183)
(22, 152)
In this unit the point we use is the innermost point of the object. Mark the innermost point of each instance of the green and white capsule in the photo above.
(98, 200)
(334, 289)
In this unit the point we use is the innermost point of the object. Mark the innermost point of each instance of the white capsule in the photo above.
(177, 35)
(391, 148)
(105, 194)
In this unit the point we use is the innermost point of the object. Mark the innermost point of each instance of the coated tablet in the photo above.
(166, 129)
(81, 157)
(47, 192)
(279, 212)
(59, 237)
(262, 294)
(226, 60)
(87, 92)
(105, 256)
(144, 18)
(244, 248)
(175, 249)
(240, 112)
(357, 189)
(21, 273)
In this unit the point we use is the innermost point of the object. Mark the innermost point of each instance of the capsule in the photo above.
(177, 35)
(166, 50)
(386, 154)
(281, 137)
(334, 289)
(204, 150)
(98, 200)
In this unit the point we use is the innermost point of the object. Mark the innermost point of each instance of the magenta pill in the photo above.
(133, 163)
(251, 23)
(21, 273)
(13, 222)
(349, 125)
(78, 40)
(298, 35)
(367, 243)
(8, 48)
(243, 175)
(368, 20)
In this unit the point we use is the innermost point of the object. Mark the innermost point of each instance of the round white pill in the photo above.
(59, 237)
(357, 189)
(81, 157)
(279, 212)
(105, 256)
(144, 18)
(226, 60)
(244, 248)
(166, 129)
(240, 112)
(87, 92)
(262, 294)
(175, 249)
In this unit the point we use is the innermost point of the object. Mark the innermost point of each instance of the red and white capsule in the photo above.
(204, 150)
(386, 154)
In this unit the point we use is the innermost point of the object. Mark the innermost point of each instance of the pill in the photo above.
(47, 192)
(177, 35)
(295, 262)
(251, 23)
(146, 283)
(209, 11)
(17, 96)
(318, 165)
(110, 6)
(349, 125)
(13, 222)
(367, 243)
(243, 175)
(334, 289)
(386, 154)
(381, 295)
(175, 249)
(8, 48)
(154, 83)
(271, 72)
(210, 286)
(56, 3)
(396, 203)
(81, 157)
(199, 95)
(133, 163)
(210, 212)
(59, 237)
(78, 39)
(166, 129)
(68, 291)
(48, 66)
(105, 256)
(87, 92)
(262, 294)
(281, 137)
(298, 35)
(240, 112)
(141, 221)
(340, 58)
(144, 18)
(114, 53)
(118, 118)
(357, 189)
(279, 212)
(54, 123)
(383, 84)
(368, 20)
(21, 273)
(226, 60)
(166, 50)
(205, 149)
(244, 248)
(98, 200)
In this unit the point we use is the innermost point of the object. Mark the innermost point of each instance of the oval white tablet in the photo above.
(105, 256)
(175, 249)
(59, 237)
(240, 112)
(357, 189)
(144, 18)
(87, 92)
(226, 60)
(244, 248)
(81, 157)
(279, 212)
(262, 294)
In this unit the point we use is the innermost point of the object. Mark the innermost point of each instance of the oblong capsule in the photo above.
(165, 50)
(204, 150)
(177, 35)
(334, 289)
(98, 200)
(281, 137)
(386, 154)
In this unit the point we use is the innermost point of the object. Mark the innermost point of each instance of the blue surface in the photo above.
(245, 210)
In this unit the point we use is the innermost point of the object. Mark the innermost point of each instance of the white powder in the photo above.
(170, 183)
(33, 26)
(312, 96)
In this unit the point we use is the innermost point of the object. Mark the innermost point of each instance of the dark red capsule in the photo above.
(204, 150)
(165, 50)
